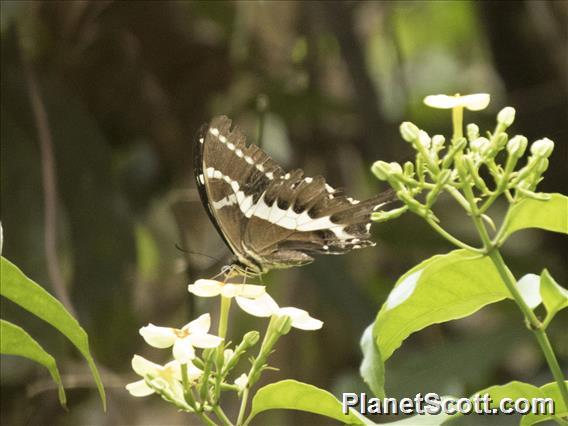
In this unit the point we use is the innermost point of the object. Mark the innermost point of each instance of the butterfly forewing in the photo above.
(270, 219)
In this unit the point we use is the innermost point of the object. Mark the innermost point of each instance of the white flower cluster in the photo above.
(172, 379)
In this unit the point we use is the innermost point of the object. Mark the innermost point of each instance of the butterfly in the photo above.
(270, 218)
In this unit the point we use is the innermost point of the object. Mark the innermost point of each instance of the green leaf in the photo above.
(15, 341)
(554, 296)
(515, 390)
(426, 419)
(550, 390)
(372, 367)
(293, 395)
(440, 289)
(23, 291)
(551, 215)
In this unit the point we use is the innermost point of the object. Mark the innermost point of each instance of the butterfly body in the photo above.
(268, 218)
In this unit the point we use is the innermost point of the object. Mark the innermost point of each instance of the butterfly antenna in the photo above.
(177, 246)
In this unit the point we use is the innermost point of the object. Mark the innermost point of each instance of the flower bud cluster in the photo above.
(485, 163)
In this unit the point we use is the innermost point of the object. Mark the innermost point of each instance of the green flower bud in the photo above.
(542, 148)
(381, 169)
(409, 200)
(383, 216)
(409, 131)
(384, 170)
(516, 146)
(250, 339)
(472, 131)
(480, 145)
(444, 177)
(283, 325)
(500, 142)
(541, 166)
(506, 116)
(458, 146)
(438, 142)
(409, 169)
(395, 168)
(424, 139)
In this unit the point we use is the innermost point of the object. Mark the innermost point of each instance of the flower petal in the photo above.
(139, 388)
(441, 101)
(183, 350)
(158, 337)
(199, 325)
(243, 290)
(227, 355)
(193, 373)
(204, 340)
(263, 306)
(229, 291)
(173, 370)
(301, 319)
(143, 367)
(241, 381)
(476, 102)
(205, 288)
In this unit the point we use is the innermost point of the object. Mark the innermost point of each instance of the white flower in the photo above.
(473, 102)
(265, 306)
(167, 378)
(193, 334)
(212, 288)
(241, 381)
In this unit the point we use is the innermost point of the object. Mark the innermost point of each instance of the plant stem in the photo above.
(187, 389)
(205, 418)
(222, 332)
(457, 121)
(221, 415)
(242, 409)
(265, 348)
(224, 316)
(510, 281)
(532, 321)
(450, 237)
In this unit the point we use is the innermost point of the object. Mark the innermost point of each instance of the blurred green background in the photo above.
(121, 87)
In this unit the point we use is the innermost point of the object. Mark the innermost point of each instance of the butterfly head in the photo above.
(240, 269)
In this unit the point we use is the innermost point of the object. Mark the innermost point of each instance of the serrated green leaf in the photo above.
(554, 296)
(551, 215)
(372, 367)
(440, 289)
(293, 395)
(14, 340)
(18, 288)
